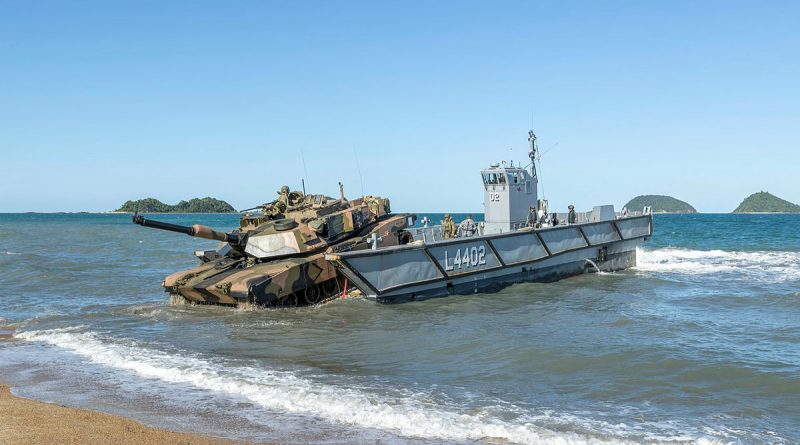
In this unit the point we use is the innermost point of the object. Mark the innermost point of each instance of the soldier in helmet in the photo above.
(280, 205)
(283, 195)
(448, 227)
(373, 205)
(467, 227)
(532, 219)
(572, 218)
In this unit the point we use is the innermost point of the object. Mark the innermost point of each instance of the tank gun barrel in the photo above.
(196, 230)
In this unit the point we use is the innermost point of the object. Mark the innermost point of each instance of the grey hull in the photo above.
(622, 260)
(491, 262)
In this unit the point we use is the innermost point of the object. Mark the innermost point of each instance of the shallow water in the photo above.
(699, 344)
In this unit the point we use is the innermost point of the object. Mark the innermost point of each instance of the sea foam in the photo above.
(763, 266)
(286, 392)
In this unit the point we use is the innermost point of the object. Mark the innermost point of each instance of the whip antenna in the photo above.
(305, 172)
(358, 168)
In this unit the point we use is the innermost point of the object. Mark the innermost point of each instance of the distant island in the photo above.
(765, 202)
(659, 204)
(194, 205)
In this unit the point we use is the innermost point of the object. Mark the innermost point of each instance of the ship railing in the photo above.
(630, 214)
(429, 234)
(433, 234)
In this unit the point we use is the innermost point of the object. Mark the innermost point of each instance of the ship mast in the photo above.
(532, 152)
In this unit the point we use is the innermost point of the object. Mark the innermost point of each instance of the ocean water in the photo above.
(700, 343)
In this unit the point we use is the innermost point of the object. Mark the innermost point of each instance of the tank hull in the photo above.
(287, 282)
(491, 262)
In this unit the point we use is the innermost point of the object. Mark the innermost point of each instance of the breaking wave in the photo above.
(764, 266)
(412, 415)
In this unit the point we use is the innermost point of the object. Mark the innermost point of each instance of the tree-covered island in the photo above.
(194, 205)
(765, 202)
(660, 204)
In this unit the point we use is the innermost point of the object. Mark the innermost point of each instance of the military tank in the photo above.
(276, 257)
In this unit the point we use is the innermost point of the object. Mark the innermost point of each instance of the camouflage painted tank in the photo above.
(277, 255)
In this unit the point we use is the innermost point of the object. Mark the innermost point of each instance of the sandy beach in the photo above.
(24, 421)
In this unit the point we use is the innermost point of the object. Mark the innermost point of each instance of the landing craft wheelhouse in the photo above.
(510, 246)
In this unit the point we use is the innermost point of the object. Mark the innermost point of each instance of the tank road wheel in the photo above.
(313, 294)
(330, 287)
(261, 301)
(289, 300)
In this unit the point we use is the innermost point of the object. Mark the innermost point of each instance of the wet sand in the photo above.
(24, 421)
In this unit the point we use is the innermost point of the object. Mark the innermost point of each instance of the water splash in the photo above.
(177, 300)
(763, 266)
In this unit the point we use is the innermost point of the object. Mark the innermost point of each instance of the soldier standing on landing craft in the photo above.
(572, 218)
(467, 227)
(532, 219)
(448, 227)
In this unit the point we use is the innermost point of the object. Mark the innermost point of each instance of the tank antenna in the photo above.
(358, 167)
(305, 172)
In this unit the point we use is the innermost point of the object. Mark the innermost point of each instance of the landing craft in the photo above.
(276, 257)
(519, 241)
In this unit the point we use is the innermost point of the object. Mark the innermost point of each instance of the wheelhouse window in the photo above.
(494, 178)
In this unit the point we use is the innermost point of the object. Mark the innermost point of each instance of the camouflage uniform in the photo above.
(448, 227)
(572, 218)
(467, 227)
(283, 196)
(372, 204)
(281, 204)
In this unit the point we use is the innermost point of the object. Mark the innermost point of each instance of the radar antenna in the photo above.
(532, 153)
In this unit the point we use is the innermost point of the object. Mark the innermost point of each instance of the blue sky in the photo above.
(101, 102)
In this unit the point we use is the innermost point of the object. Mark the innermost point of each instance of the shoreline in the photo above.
(29, 421)
(26, 421)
